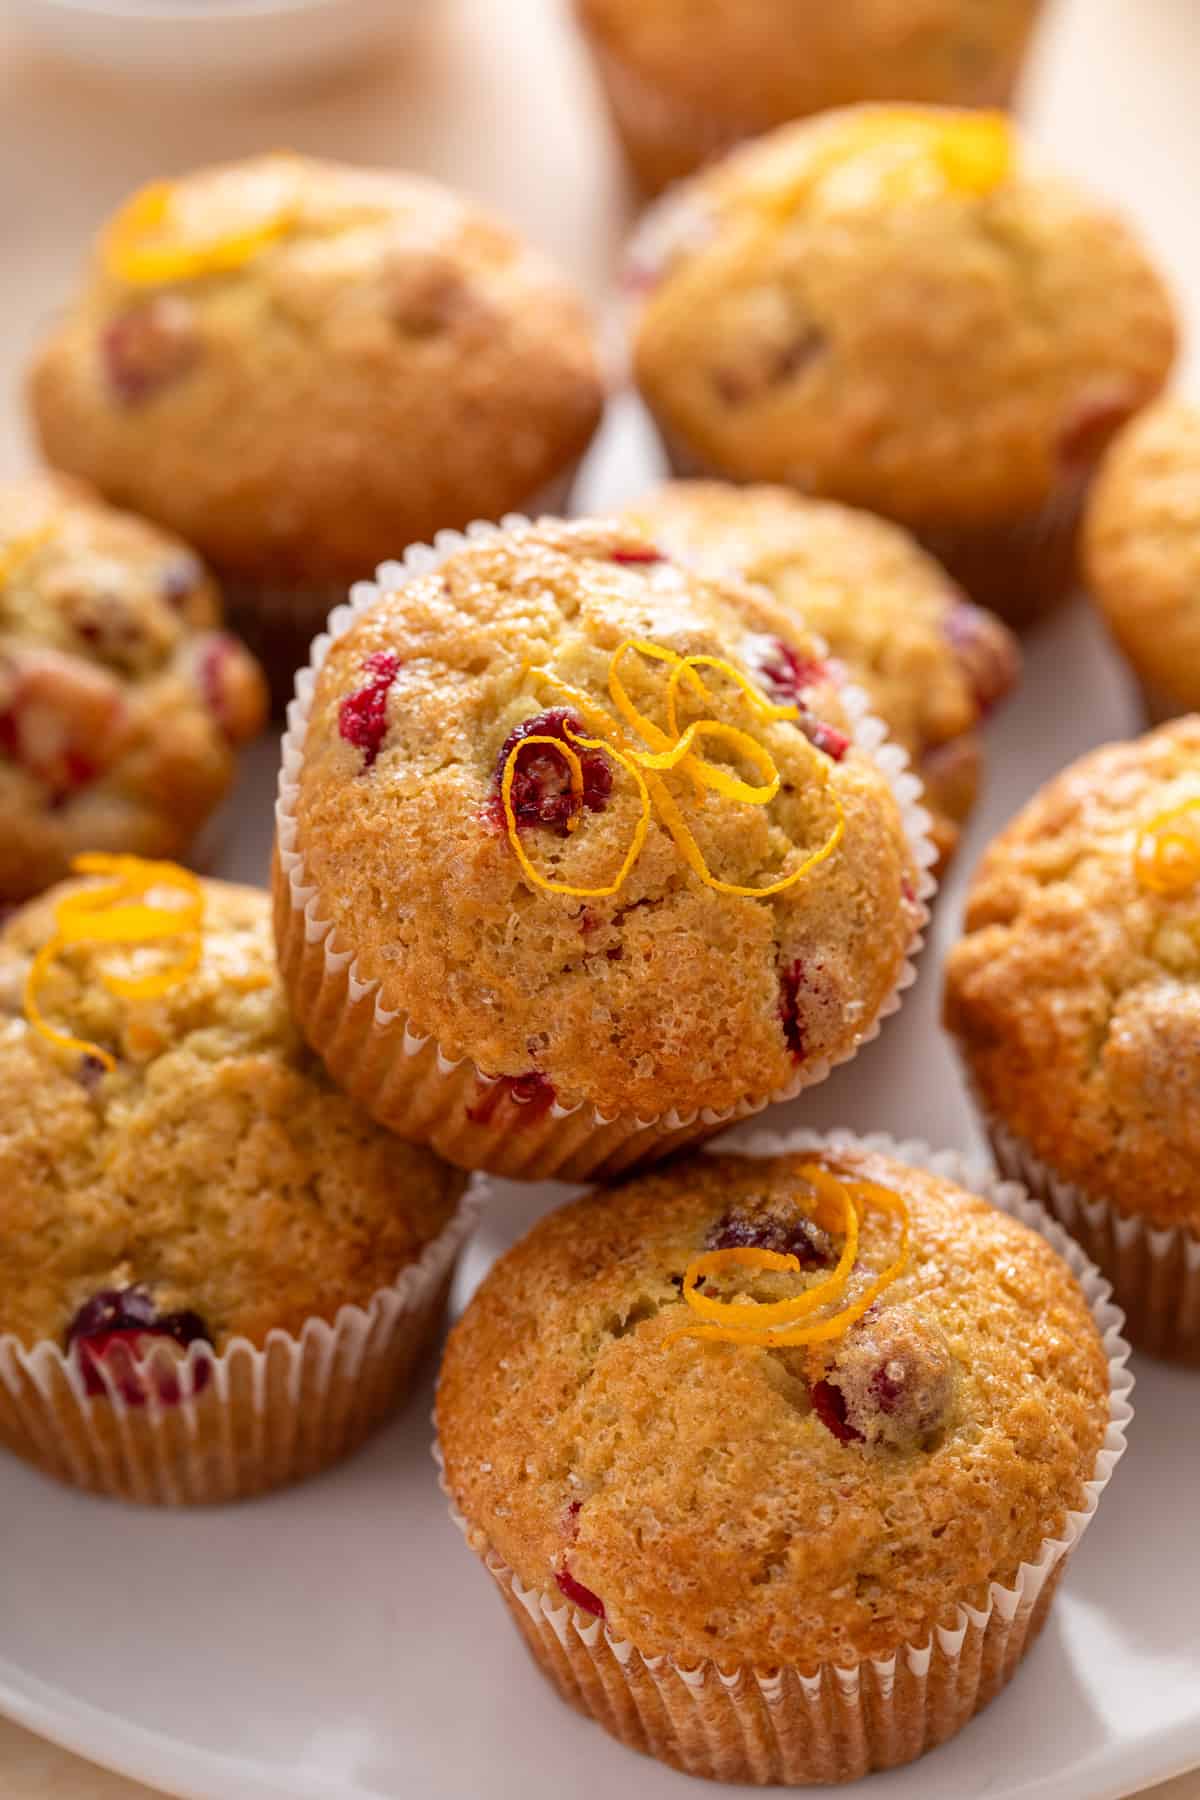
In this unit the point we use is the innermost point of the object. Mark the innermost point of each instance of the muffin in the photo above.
(932, 665)
(807, 1525)
(685, 79)
(572, 867)
(215, 1272)
(1073, 998)
(1142, 554)
(122, 702)
(303, 366)
(884, 306)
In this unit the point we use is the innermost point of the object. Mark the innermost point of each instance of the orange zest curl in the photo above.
(119, 911)
(839, 1206)
(671, 749)
(1166, 858)
(169, 233)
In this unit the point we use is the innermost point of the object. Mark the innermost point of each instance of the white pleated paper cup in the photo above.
(247, 1420)
(731, 1721)
(402, 1076)
(1154, 1271)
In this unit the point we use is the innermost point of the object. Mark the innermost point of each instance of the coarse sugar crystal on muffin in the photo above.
(933, 665)
(890, 306)
(1073, 997)
(215, 1270)
(1142, 553)
(561, 881)
(302, 365)
(687, 78)
(777, 1458)
(122, 702)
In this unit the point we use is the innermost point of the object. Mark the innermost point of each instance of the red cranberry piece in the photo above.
(825, 737)
(362, 716)
(148, 346)
(638, 553)
(986, 651)
(180, 579)
(532, 1092)
(577, 1594)
(117, 1328)
(90, 1071)
(541, 788)
(829, 1404)
(797, 1236)
(62, 721)
(895, 1374)
(791, 674)
(791, 981)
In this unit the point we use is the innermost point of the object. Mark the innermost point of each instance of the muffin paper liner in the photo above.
(249, 1420)
(1154, 1271)
(732, 1721)
(278, 620)
(1019, 570)
(403, 1077)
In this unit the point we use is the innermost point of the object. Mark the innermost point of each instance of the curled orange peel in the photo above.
(785, 1324)
(118, 912)
(149, 242)
(668, 750)
(1166, 857)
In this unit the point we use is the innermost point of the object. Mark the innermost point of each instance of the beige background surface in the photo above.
(492, 95)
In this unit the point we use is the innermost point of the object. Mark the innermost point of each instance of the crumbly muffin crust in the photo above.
(121, 701)
(696, 1489)
(393, 362)
(216, 1167)
(667, 993)
(1142, 549)
(932, 664)
(744, 68)
(948, 357)
(1073, 990)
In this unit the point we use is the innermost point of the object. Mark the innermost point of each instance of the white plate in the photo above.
(338, 1642)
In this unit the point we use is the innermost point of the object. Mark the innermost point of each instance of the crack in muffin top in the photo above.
(666, 992)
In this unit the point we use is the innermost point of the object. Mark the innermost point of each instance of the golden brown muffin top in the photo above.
(121, 700)
(215, 1168)
(303, 366)
(797, 1505)
(884, 305)
(1073, 991)
(665, 993)
(768, 61)
(932, 664)
(1142, 548)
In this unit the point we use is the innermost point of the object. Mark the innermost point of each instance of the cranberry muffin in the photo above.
(770, 1456)
(887, 306)
(1073, 998)
(685, 79)
(215, 1271)
(1142, 554)
(122, 702)
(932, 664)
(566, 875)
(303, 366)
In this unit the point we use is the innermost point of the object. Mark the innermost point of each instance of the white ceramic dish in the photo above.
(233, 42)
(338, 1642)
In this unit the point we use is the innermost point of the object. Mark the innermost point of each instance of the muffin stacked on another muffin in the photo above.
(663, 1411)
(686, 78)
(188, 1207)
(1142, 554)
(1074, 999)
(886, 306)
(563, 879)
(932, 664)
(121, 700)
(304, 366)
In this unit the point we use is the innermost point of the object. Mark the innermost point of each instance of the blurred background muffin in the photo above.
(1142, 554)
(685, 79)
(933, 665)
(303, 366)
(122, 702)
(885, 306)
